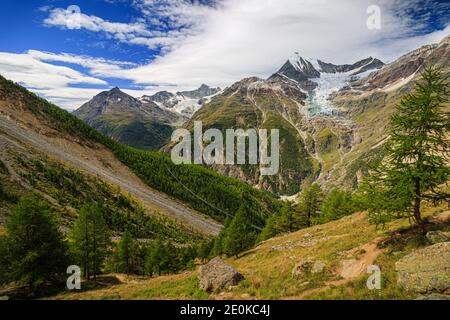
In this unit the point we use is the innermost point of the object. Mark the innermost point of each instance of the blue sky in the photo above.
(144, 46)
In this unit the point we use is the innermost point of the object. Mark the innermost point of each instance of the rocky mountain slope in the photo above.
(332, 118)
(138, 123)
(295, 101)
(42, 154)
(368, 104)
(185, 103)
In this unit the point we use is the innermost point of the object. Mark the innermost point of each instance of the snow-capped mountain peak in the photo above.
(300, 64)
(185, 103)
(321, 79)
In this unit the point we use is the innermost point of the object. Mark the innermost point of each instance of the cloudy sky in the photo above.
(68, 51)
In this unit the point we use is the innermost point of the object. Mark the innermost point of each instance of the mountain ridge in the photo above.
(185, 103)
(141, 124)
(326, 117)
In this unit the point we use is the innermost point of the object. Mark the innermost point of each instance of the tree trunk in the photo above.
(94, 238)
(309, 218)
(417, 201)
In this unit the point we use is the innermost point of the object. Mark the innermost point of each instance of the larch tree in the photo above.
(416, 162)
(91, 240)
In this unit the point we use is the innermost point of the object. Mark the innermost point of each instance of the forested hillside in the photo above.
(200, 188)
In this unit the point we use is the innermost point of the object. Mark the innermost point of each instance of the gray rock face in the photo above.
(217, 275)
(203, 91)
(318, 267)
(359, 67)
(438, 236)
(434, 296)
(306, 267)
(425, 270)
(160, 97)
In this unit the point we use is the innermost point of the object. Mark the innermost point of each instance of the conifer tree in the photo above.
(337, 204)
(33, 252)
(91, 240)
(417, 153)
(310, 203)
(241, 234)
(125, 253)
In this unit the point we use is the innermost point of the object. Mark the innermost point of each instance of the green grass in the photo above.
(326, 141)
(183, 286)
(178, 289)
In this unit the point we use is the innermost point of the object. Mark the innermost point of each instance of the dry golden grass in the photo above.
(267, 268)
(181, 286)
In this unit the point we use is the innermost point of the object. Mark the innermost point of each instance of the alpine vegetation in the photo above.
(216, 153)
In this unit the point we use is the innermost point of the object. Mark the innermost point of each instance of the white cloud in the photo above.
(135, 33)
(223, 43)
(241, 38)
(50, 81)
(33, 73)
(96, 66)
(75, 20)
(68, 98)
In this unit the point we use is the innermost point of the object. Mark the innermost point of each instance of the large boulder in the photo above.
(217, 275)
(307, 267)
(425, 270)
(318, 267)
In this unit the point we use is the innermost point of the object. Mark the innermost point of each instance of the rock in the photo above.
(302, 268)
(306, 267)
(434, 296)
(318, 267)
(217, 275)
(438, 236)
(425, 270)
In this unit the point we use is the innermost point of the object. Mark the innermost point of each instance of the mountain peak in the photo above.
(200, 93)
(297, 69)
(300, 64)
(361, 66)
(116, 90)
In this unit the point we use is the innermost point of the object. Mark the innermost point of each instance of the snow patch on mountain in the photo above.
(185, 103)
(330, 82)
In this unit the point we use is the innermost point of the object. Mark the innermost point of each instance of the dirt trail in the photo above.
(350, 269)
(353, 268)
(100, 162)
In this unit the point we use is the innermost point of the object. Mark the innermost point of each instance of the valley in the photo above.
(307, 232)
(101, 163)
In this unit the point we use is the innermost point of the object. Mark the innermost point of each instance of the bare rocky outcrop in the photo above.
(438, 236)
(425, 270)
(434, 296)
(307, 267)
(217, 275)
